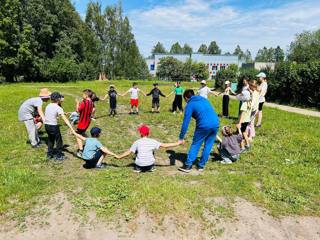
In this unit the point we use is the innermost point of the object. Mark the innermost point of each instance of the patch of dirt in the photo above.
(249, 222)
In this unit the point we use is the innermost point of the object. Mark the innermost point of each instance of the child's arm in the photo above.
(219, 139)
(105, 97)
(122, 95)
(170, 145)
(65, 119)
(105, 150)
(149, 94)
(170, 94)
(40, 111)
(125, 154)
(143, 93)
(78, 136)
(161, 94)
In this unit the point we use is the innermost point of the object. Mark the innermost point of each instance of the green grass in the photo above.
(281, 172)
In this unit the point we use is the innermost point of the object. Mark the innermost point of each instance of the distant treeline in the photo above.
(46, 40)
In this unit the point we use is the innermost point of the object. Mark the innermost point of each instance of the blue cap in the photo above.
(95, 131)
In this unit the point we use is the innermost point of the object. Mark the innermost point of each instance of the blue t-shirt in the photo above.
(92, 146)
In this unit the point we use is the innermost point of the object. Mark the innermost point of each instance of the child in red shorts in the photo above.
(85, 109)
(134, 97)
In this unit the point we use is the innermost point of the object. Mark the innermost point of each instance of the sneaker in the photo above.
(200, 169)
(79, 153)
(101, 166)
(152, 169)
(60, 158)
(243, 150)
(36, 146)
(185, 169)
(226, 162)
(258, 126)
(137, 170)
(247, 147)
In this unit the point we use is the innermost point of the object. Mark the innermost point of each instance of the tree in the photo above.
(214, 48)
(176, 49)
(239, 52)
(229, 74)
(187, 49)
(248, 56)
(278, 54)
(203, 49)
(266, 55)
(158, 48)
(306, 47)
(170, 68)
(227, 54)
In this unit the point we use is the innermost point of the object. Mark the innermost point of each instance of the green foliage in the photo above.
(306, 47)
(174, 70)
(296, 83)
(187, 49)
(238, 51)
(176, 49)
(158, 48)
(228, 74)
(270, 55)
(214, 48)
(203, 49)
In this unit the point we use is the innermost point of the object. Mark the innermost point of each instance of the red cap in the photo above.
(144, 130)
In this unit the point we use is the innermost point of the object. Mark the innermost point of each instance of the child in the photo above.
(94, 152)
(85, 109)
(94, 99)
(112, 94)
(245, 117)
(177, 103)
(255, 95)
(156, 93)
(204, 90)
(226, 98)
(263, 88)
(52, 112)
(134, 98)
(229, 147)
(144, 149)
(245, 86)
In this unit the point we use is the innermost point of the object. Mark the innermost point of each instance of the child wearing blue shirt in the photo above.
(94, 152)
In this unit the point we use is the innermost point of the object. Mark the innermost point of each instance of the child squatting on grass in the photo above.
(94, 152)
(144, 149)
(229, 147)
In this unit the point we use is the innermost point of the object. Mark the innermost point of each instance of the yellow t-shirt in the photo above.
(246, 111)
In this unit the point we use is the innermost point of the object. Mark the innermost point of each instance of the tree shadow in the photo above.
(174, 156)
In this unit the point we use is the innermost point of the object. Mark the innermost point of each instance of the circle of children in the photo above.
(90, 149)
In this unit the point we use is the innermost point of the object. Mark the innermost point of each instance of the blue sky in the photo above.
(250, 23)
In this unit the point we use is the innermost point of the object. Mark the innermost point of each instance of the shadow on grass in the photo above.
(174, 156)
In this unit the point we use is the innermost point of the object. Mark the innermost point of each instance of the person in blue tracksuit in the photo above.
(207, 126)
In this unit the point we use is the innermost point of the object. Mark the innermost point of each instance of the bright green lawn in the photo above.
(281, 172)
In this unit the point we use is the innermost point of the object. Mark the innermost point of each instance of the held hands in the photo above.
(181, 142)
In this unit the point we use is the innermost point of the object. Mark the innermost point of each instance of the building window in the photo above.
(214, 68)
(152, 67)
(222, 67)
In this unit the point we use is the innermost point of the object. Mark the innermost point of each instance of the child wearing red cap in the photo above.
(144, 148)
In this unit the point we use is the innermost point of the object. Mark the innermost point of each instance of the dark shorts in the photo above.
(93, 162)
(144, 168)
(81, 131)
(244, 127)
(261, 106)
(155, 102)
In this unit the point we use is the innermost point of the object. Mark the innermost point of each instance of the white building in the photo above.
(214, 62)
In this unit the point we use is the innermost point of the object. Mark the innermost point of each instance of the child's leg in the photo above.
(59, 142)
(51, 140)
(32, 132)
(101, 159)
(246, 138)
(259, 118)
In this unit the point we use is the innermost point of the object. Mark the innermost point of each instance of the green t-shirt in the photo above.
(178, 90)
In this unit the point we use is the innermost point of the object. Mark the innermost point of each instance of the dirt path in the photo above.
(289, 108)
(249, 222)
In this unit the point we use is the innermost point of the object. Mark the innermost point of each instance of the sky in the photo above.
(252, 24)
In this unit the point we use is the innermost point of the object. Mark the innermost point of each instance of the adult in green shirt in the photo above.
(177, 103)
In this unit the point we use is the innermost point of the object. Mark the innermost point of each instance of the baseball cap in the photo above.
(144, 130)
(262, 74)
(203, 82)
(95, 131)
(56, 96)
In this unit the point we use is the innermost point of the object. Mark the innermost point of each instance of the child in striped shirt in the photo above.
(144, 149)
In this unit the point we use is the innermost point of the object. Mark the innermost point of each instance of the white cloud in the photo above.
(200, 21)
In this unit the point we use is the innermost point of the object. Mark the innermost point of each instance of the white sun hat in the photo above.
(262, 74)
(203, 82)
(227, 82)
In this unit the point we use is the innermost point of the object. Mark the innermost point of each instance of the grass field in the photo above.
(281, 172)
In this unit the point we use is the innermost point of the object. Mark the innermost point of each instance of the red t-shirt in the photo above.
(85, 111)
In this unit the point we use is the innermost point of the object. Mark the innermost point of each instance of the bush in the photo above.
(229, 74)
(295, 83)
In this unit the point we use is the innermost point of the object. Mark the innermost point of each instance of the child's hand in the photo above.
(181, 142)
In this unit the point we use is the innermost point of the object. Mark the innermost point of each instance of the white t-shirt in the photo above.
(52, 113)
(134, 93)
(144, 148)
(204, 91)
(255, 101)
(263, 88)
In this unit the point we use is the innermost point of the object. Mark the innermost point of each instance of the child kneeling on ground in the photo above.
(94, 152)
(144, 149)
(229, 147)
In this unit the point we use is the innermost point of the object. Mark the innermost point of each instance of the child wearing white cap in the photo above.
(204, 90)
(226, 99)
(263, 88)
